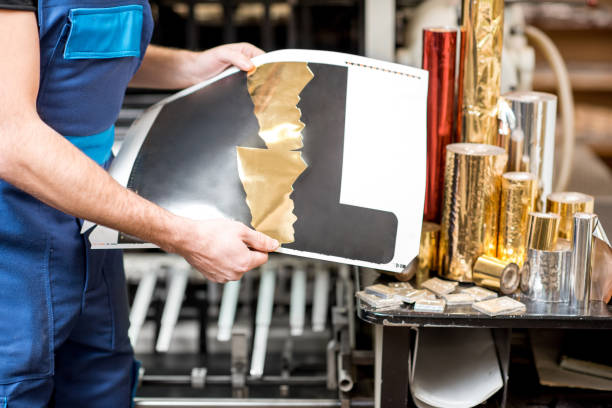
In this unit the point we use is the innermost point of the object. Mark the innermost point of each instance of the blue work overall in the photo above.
(63, 307)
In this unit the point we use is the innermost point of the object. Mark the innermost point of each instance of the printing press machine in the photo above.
(283, 336)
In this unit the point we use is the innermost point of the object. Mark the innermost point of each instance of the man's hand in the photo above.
(167, 68)
(222, 250)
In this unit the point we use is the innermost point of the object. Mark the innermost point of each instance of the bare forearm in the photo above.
(167, 68)
(39, 161)
(164, 68)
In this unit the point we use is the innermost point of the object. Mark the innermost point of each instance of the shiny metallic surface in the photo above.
(566, 204)
(543, 231)
(545, 275)
(275, 91)
(470, 214)
(534, 118)
(601, 233)
(458, 128)
(517, 201)
(267, 175)
(439, 49)
(582, 248)
(497, 274)
(428, 248)
(516, 147)
(483, 24)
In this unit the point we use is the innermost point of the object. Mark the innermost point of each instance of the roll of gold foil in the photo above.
(470, 213)
(566, 204)
(543, 230)
(496, 274)
(517, 201)
(483, 24)
(428, 250)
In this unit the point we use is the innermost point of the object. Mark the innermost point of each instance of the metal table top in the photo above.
(538, 315)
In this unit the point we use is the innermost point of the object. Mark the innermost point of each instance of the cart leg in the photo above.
(502, 339)
(391, 348)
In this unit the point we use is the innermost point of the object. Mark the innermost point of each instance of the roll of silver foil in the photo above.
(582, 247)
(534, 114)
(545, 275)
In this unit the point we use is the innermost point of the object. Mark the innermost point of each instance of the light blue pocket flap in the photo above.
(104, 32)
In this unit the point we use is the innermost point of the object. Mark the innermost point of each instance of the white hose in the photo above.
(566, 101)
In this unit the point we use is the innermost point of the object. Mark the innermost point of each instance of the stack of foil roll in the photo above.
(558, 268)
(489, 208)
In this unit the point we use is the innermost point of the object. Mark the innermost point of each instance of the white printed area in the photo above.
(385, 149)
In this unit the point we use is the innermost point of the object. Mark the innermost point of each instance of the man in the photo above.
(63, 308)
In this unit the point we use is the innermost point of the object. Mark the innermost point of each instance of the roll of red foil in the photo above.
(439, 50)
(458, 138)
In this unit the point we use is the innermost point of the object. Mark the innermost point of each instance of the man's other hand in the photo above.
(209, 63)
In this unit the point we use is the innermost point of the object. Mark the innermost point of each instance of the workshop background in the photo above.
(177, 332)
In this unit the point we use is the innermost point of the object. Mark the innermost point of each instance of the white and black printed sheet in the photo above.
(360, 200)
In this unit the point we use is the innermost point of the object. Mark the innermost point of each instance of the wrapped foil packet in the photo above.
(400, 285)
(500, 306)
(438, 286)
(380, 290)
(458, 299)
(430, 305)
(377, 302)
(479, 294)
(416, 294)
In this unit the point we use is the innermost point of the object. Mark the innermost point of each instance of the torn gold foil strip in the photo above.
(517, 201)
(267, 177)
(566, 204)
(275, 91)
(483, 25)
(470, 213)
(543, 229)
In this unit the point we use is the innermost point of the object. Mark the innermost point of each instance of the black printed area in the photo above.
(188, 160)
(324, 225)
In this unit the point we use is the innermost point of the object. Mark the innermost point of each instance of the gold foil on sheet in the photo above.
(483, 24)
(566, 204)
(267, 177)
(275, 91)
(517, 201)
(543, 230)
(496, 274)
(470, 212)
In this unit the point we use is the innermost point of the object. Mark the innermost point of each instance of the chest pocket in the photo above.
(93, 57)
(104, 32)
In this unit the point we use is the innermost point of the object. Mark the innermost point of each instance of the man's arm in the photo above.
(36, 159)
(169, 68)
